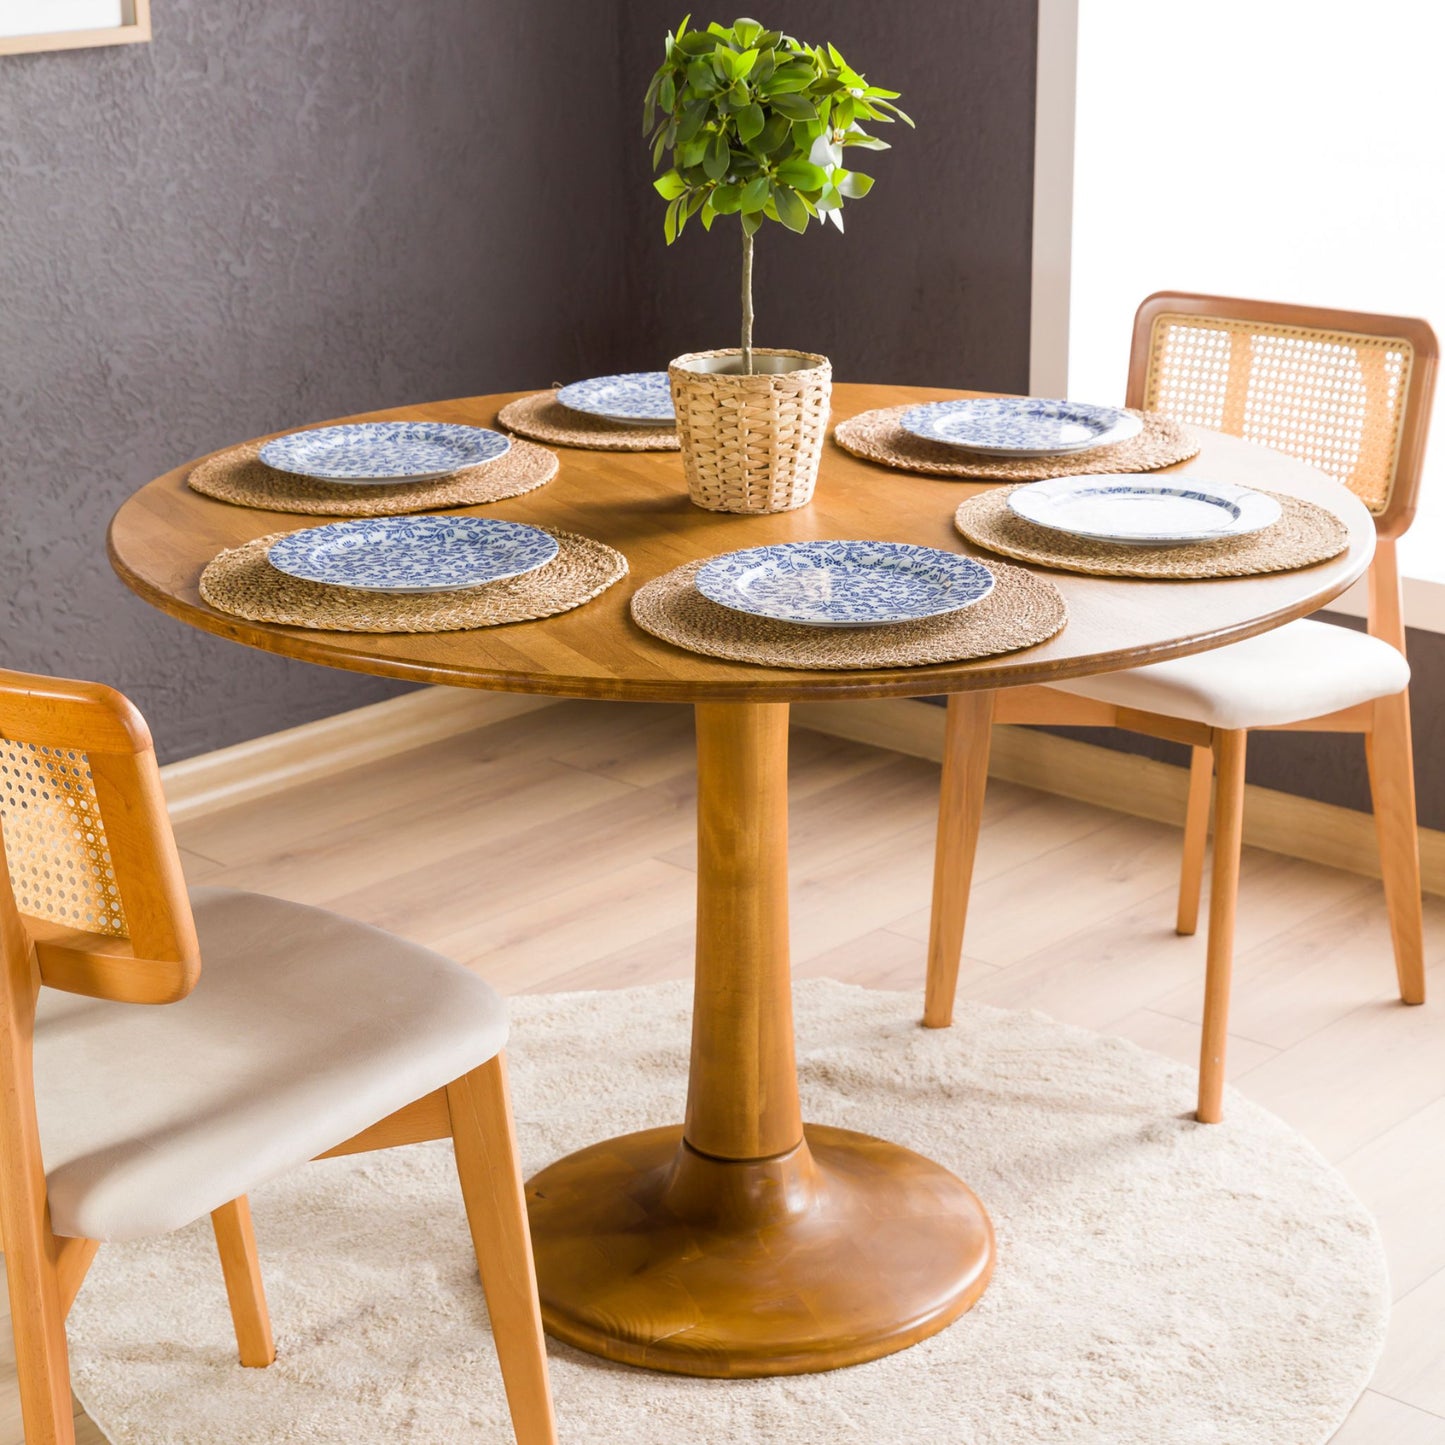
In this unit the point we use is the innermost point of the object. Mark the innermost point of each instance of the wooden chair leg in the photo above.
(491, 1179)
(32, 1252)
(1229, 750)
(1196, 836)
(1392, 785)
(42, 1356)
(236, 1243)
(967, 735)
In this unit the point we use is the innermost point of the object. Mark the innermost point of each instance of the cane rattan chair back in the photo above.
(1346, 391)
(88, 851)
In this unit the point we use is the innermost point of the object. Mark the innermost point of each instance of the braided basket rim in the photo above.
(821, 369)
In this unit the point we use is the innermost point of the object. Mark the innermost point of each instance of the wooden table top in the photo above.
(163, 536)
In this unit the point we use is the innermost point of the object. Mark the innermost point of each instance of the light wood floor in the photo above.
(554, 851)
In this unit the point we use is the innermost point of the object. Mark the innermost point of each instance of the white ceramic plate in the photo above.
(639, 398)
(373, 453)
(413, 554)
(844, 584)
(1143, 512)
(1020, 426)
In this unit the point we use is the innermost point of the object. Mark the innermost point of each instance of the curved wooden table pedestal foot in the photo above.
(844, 1249)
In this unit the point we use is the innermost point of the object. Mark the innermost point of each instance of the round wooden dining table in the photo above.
(744, 1242)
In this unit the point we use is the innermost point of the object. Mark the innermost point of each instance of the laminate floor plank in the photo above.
(555, 851)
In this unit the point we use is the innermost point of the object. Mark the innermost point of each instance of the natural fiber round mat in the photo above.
(1022, 610)
(1160, 1282)
(243, 583)
(543, 418)
(876, 437)
(239, 476)
(1305, 534)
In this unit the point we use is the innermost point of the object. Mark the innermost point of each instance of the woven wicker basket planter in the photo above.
(751, 443)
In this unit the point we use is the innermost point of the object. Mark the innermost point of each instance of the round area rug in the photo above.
(1159, 1281)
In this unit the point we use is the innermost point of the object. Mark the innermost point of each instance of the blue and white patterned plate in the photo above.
(371, 453)
(413, 554)
(1020, 426)
(638, 397)
(844, 584)
(1142, 512)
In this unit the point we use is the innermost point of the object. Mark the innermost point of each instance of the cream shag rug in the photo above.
(1159, 1281)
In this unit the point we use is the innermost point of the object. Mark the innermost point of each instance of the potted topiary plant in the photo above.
(756, 125)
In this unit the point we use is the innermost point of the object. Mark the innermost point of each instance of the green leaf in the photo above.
(747, 31)
(791, 210)
(790, 78)
(776, 132)
(752, 223)
(743, 64)
(726, 199)
(670, 185)
(669, 222)
(715, 162)
(708, 214)
(802, 175)
(755, 194)
(750, 122)
(691, 120)
(700, 77)
(855, 185)
(868, 142)
(667, 92)
(835, 57)
(794, 107)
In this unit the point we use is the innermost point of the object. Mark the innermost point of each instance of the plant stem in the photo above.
(747, 303)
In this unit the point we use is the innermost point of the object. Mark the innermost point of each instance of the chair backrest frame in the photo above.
(97, 744)
(1394, 516)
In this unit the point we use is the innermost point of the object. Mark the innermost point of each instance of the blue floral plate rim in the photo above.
(1101, 507)
(782, 582)
(373, 453)
(635, 398)
(1021, 426)
(418, 554)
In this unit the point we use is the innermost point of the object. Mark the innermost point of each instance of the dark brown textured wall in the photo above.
(930, 282)
(272, 214)
(277, 213)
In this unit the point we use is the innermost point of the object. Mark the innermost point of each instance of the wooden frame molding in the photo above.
(220, 779)
(135, 27)
(1143, 787)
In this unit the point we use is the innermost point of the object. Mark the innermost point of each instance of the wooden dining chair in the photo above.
(1349, 392)
(139, 1092)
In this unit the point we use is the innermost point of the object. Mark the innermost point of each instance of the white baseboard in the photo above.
(268, 764)
(1143, 787)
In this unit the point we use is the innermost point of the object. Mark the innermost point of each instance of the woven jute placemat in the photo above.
(543, 418)
(1305, 534)
(243, 583)
(877, 437)
(1022, 610)
(239, 476)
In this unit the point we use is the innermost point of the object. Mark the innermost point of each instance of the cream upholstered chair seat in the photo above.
(304, 1029)
(1302, 670)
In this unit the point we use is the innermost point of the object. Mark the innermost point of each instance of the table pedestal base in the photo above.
(844, 1249)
